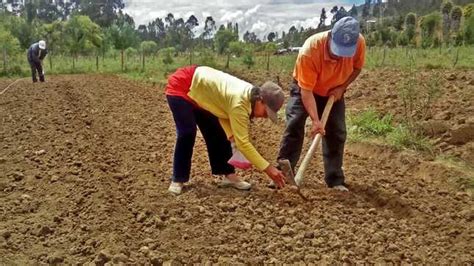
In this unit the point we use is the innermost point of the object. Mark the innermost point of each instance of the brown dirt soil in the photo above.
(84, 169)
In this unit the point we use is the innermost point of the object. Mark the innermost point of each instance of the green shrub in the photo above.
(403, 137)
(248, 60)
(370, 123)
(207, 58)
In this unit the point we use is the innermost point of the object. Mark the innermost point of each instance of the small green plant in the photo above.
(168, 56)
(248, 60)
(417, 95)
(402, 137)
(207, 58)
(370, 123)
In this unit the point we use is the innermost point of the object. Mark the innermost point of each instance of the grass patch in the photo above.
(376, 57)
(370, 125)
(402, 137)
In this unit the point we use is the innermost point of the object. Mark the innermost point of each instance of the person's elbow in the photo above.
(305, 94)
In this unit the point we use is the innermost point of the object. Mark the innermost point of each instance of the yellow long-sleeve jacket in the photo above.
(228, 98)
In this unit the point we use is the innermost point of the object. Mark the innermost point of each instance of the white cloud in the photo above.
(264, 17)
(260, 28)
(232, 16)
(252, 10)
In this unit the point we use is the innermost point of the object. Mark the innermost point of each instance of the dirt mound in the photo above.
(448, 116)
(85, 163)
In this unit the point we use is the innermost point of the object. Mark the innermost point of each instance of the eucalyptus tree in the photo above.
(270, 49)
(147, 48)
(102, 12)
(322, 18)
(209, 31)
(271, 36)
(469, 30)
(122, 37)
(81, 34)
(9, 46)
(410, 28)
(53, 33)
(446, 8)
(188, 35)
(431, 27)
(156, 31)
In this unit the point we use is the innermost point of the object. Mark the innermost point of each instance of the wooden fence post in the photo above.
(384, 54)
(5, 60)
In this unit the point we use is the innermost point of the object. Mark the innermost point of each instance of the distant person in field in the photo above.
(326, 65)
(221, 106)
(36, 53)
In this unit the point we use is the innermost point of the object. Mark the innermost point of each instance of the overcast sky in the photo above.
(261, 17)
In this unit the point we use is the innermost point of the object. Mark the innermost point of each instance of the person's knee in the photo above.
(186, 135)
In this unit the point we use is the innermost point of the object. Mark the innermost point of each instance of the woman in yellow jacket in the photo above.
(221, 106)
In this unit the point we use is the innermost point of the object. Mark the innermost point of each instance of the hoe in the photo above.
(285, 164)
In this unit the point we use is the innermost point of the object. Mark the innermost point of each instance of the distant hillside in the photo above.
(403, 7)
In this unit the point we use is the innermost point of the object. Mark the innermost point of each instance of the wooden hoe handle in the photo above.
(314, 144)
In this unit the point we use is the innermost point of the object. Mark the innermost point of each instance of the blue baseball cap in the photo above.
(344, 37)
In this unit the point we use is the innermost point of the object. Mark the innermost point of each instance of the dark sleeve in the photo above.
(35, 53)
(43, 54)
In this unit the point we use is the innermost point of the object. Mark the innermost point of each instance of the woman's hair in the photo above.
(254, 97)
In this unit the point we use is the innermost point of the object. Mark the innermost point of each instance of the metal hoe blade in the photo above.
(290, 177)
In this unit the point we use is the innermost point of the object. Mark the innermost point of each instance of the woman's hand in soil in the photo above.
(276, 175)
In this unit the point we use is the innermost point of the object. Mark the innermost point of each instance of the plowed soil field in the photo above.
(85, 162)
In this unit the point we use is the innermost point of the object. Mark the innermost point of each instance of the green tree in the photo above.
(222, 39)
(168, 56)
(147, 48)
(81, 34)
(456, 16)
(353, 11)
(366, 9)
(469, 30)
(271, 36)
(248, 59)
(410, 28)
(156, 31)
(130, 52)
(53, 34)
(208, 33)
(251, 37)
(20, 29)
(188, 32)
(46, 11)
(322, 19)
(9, 46)
(431, 26)
(468, 10)
(102, 12)
(446, 8)
(123, 37)
(235, 48)
(270, 48)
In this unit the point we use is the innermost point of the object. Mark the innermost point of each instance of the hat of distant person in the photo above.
(344, 37)
(42, 45)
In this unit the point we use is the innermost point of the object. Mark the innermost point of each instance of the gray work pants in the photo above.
(333, 142)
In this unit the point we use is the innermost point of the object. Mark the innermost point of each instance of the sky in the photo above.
(261, 17)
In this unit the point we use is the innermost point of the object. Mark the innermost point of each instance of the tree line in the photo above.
(86, 27)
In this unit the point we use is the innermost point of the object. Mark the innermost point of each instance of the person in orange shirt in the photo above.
(326, 65)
